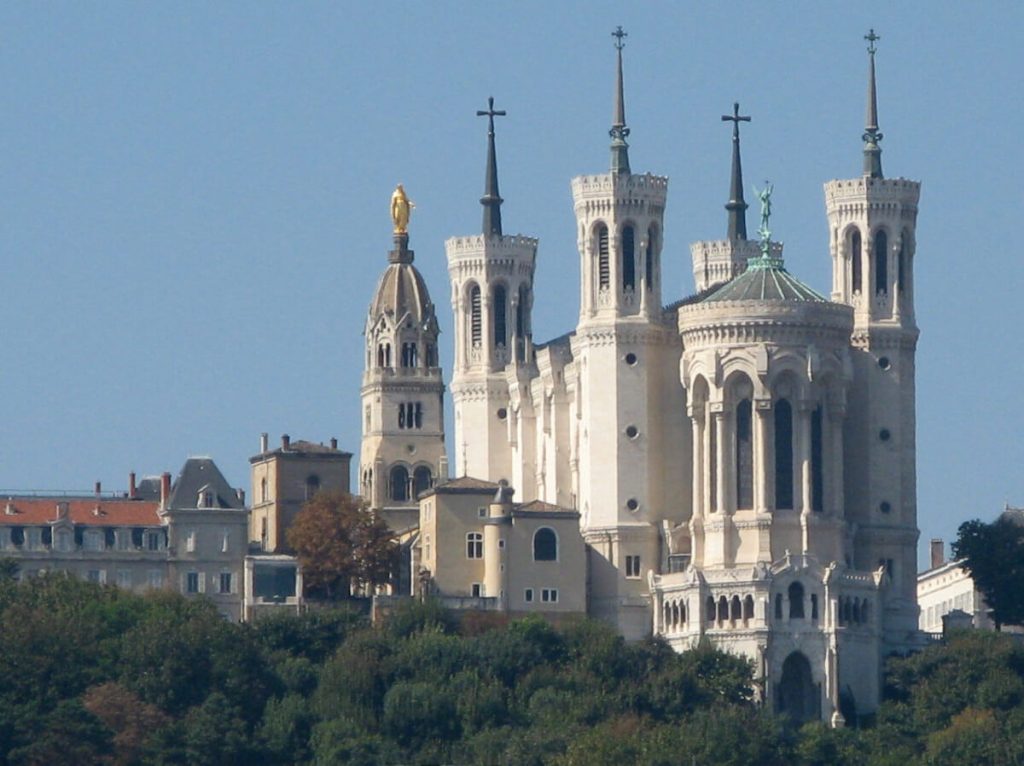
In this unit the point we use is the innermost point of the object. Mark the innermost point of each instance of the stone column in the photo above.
(699, 476)
(834, 461)
(722, 460)
(486, 327)
(764, 455)
(802, 452)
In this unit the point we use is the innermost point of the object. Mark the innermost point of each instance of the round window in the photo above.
(884, 435)
(502, 413)
(631, 359)
(884, 363)
(632, 504)
(884, 506)
(631, 432)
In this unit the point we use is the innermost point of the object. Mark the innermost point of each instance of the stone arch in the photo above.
(398, 483)
(651, 250)
(797, 694)
(853, 240)
(602, 254)
(499, 313)
(474, 316)
(735, 610)
(545, 544)
(748, 609)
(422, 480)
(880, 260)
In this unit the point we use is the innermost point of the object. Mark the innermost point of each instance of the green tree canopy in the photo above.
(994, 556)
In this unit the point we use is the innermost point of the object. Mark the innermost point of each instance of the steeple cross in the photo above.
(871, 37)
(618, 34)
(735, 118)
(490, 114)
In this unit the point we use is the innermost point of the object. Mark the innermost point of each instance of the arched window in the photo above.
(500, 309)
(723, 609)
(778, 606)
(735, 610)
(814, 606)
(312, 486)
(380, 354)
(783, 454)
(409, 355)
(431, 355)
(264, 491)
(744, 456)
(856, 610)
(709, 608)
(474, 545)
(421, 479)
(521, 329)
(628, 258)
(796, 601)
(387, 354)
(399, 484)
(856, 267)
(652, 232)
(748, 609)
(797, 695)
(817, 462)
(418, 418)
(545, 545)
(476, 327)
(881, 262)
(682, 613)
(603, 267)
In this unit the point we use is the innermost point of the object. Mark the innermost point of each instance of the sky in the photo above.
(194, 200)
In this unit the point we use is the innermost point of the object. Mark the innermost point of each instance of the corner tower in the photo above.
(872, 222)
(492, 296)
(402, 452)
(629, 406)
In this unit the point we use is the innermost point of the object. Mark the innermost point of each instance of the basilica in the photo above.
(738, 464)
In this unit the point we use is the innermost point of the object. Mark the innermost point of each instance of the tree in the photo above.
(993, 554)
(342, 544)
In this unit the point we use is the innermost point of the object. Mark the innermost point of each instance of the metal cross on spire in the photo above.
(871, 37)
(736, 205)
(490, 114)
(618, 34)
(491, 199)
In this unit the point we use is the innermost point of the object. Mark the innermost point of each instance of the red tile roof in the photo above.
(113, 512)
(539, 506)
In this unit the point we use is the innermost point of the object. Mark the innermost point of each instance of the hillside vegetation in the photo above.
(91, 674)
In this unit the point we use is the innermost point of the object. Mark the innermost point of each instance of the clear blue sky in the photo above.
(193, 200)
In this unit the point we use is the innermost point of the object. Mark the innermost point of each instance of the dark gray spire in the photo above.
(491, 199)
(619, 131)
(736, 205)
(872, 135)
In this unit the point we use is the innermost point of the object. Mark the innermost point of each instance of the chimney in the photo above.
(132, 491)
(938, 553)
(264, 443)
(165, 490)
(99, 489)
(240, 494)
(334, 443)
(286, 441)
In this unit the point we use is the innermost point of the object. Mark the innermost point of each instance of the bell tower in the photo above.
(872, 222)
(492, 297)
(402, 451)
(627, 386)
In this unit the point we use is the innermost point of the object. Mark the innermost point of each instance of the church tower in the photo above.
(492, 295)
(629, 422)
(872, 221)
(402, 451)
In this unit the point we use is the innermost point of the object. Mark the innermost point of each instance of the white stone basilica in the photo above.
(742, 460)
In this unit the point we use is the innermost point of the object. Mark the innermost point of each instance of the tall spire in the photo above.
(491, 199)
(736, 205)
(872, 135)
(619, 131)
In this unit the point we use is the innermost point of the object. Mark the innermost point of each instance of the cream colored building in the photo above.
(484, 551)
(743, 459)
(284, 478)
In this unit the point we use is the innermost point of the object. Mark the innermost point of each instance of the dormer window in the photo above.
(205, 499)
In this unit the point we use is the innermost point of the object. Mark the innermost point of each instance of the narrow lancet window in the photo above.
(500, 316)
(603, 267)
(856, 266)
(783, 454)
(475, 319)
(817, 462)
(649, 259)
(881, 263)
(628, 259)
(744, 456)
(901, 264)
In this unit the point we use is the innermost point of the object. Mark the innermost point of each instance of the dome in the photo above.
(402, 291)
(765, 279)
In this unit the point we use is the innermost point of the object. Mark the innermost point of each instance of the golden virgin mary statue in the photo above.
(401, 207)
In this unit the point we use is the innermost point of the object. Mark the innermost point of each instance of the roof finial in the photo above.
(619, 131)
(872, 135)
(765, 195)
(736, 205)
(491, 199)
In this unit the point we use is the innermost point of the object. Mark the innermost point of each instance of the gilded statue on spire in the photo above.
(401, 207)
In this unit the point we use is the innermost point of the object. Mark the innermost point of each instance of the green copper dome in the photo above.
(765, 279)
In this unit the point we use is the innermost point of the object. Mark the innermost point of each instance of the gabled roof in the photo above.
(199, 474)
(97, 512)
(464, 485)
(539, 506)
